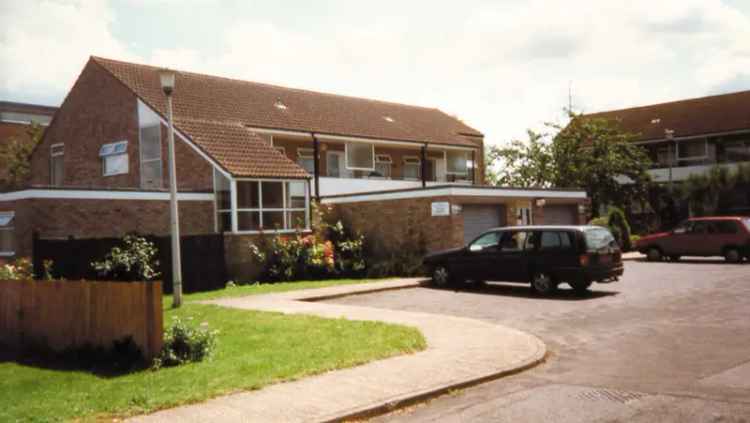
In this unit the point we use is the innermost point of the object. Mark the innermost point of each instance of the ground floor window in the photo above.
(7, 235)
(261, 205)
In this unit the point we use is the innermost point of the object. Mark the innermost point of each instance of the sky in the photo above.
(500, 66)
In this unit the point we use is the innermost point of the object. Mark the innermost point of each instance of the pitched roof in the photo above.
(697, 116)
(252, 104)
(240, 151)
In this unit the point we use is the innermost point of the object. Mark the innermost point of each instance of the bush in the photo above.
(620, 228)
(599, 221)
(21, 269)
(135, 260)
(634, 239)
(301, 257)
(185, 344)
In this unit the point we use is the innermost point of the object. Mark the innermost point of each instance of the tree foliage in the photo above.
(590, 153)
(15, 154)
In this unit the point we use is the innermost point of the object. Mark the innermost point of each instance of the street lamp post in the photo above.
(167, 78)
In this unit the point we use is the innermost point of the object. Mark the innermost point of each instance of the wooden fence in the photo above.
(203, 261)
(66, 314)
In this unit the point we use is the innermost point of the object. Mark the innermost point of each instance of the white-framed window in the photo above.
(306, 159)
(114, 158)
(360, 156)
(7, 235)
(383, 164)
(56, 164)
(261, 205)
(412, 167)
(457, 162)
(149, 126)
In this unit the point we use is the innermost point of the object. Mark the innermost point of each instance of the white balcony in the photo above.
(337, 186)
(678, 173)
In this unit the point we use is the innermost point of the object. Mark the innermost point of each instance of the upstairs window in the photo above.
(7, 236)
(692, 150)
(56, 164)
(457, 162)
(412, 168)
(150, 147)
(114, 158)
(306, 159)
(383, 164)
(360, 156)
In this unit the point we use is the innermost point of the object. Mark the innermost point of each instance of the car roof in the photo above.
(548, 227)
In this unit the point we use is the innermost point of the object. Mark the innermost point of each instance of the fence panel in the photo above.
(57, 315)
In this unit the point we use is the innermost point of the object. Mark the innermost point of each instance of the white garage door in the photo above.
(478, 219)
(560, 215)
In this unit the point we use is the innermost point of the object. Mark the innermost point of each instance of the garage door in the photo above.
(560, 215)
(478, 219)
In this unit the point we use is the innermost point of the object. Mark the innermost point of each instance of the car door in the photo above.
(480, 259)
(695, 240)
(513, 257)
(554, 252)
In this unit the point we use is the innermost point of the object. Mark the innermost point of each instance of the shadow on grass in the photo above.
(99, 362)
(525, 291)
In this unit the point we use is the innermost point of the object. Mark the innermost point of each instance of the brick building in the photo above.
(251, 158)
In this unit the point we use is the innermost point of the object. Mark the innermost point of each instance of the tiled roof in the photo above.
(697, 116)
(212, 98)
(240, 151)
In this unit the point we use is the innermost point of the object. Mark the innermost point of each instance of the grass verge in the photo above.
(254, 349)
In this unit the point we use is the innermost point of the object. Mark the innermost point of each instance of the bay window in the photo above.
(261, 205)
(360, 156)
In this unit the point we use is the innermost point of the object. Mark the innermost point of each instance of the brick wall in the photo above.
(100, 110)
(57, 218)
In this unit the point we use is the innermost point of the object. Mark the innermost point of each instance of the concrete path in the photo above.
(460, 352)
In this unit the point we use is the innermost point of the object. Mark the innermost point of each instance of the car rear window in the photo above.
(597, 238)
(747, 223)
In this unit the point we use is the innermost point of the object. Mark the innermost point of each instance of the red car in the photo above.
(727, 236)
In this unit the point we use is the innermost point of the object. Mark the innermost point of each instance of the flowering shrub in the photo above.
(134, 261)
(297, 257)
(21, 269)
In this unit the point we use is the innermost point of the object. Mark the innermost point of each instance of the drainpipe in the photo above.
(423, 165)
(316, 166)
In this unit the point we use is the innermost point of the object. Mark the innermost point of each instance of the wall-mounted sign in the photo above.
(441, 208)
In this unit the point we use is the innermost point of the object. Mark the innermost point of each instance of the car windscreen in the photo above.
(597, 238)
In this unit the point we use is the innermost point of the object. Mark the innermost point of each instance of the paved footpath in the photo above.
(460, 352)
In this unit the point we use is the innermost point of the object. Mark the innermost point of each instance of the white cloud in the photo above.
(501, 67)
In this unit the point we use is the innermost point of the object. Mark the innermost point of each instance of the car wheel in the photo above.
(580, 287)
(542, 283)
(732, 255)
(653, 254)
(674, 258)
(441, 277)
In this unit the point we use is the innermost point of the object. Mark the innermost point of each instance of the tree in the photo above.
(595, 154)
(589, 153)
(523, 164)
(15, 154)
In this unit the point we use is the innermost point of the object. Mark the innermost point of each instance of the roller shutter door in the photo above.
(560, 215)
(478, 219)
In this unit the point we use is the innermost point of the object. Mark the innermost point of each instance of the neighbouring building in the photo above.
(252, 158)
(15, 122)
(690, 137)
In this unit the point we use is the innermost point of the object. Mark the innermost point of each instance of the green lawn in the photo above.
(254, 349)
(269, 288)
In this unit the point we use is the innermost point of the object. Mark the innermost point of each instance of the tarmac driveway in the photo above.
(669, 342)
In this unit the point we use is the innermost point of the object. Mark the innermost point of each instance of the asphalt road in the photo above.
(670, 342)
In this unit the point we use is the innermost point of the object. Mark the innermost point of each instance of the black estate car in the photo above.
(543, 256)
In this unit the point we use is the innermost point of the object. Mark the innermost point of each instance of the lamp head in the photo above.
(167, 77)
